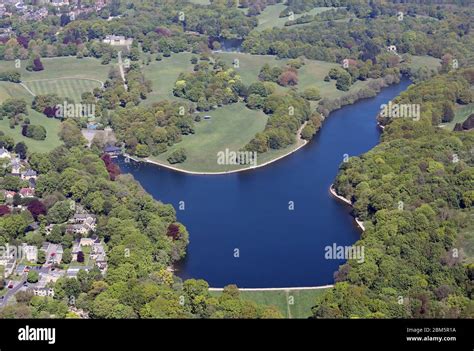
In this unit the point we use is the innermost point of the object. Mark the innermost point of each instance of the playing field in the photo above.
(63, 87)
(291, 303)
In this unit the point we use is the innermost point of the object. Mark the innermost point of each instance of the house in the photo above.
(54, 253)
(16, 165)
(5, 154)
(74, 270)
(83, 223)
(50, 276)
(98, 254)
(9, 268)
(8, 261)
(117, 40)
(30, 252)
(43, 292)
(27, 192)
(88, 241)
(113, 151)
(28, 174)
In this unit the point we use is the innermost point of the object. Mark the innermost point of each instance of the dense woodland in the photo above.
(414, 193)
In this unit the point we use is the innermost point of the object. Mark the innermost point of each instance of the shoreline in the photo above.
(333, 192)
(279, 289)
(161, 164)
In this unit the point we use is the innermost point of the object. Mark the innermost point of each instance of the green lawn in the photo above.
(52, 128)
(269, 18)
(67, 87)
(231, 126)
(62, 67)
(424, 61)
(163, 74)
(66, 76)
(461, 114)
(291, 303)
(10, 90)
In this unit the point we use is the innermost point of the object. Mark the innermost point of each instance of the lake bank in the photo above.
(269, 228)
(334, 193)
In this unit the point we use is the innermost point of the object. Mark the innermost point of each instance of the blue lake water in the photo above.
(249, 211)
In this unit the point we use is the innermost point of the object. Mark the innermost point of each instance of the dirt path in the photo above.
(122, 71)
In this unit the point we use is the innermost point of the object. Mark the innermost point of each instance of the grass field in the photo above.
(65, 76)
(67, 87)
(269, 18)
(62, 67)
(461, 114)
(164, 74)
(231, 127)
(12, 90)
(291, 303)
(424, 61)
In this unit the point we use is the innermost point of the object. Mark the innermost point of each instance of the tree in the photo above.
(60, 212)
(21, 150)
(37, 208)
(80, 257)
(41, 257)
(177, 156)
(448, 113)
(343, 81)
(311, 94)
(67, 256)
(288, 78)
(4, 210)
(33, 276)
(71, 134)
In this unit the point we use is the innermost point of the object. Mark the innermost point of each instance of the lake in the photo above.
(241, 228)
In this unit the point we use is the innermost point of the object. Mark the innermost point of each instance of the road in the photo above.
(13, 290)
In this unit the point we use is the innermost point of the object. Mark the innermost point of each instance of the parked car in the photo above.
(10, 285)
